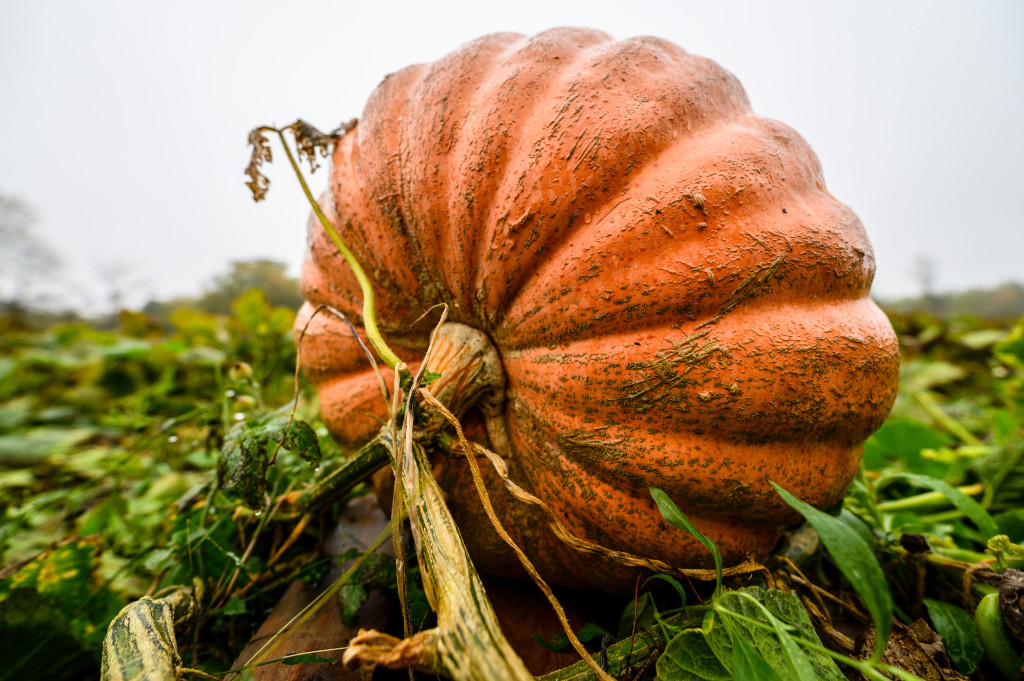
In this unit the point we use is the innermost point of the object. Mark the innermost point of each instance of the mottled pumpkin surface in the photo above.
(676, 298)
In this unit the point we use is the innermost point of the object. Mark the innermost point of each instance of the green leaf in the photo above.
(903, 440)
(552, 642)
(671, 513)
(749, 631)
(855, 523)
(774, 622)
(1011, 349)
(305, 658)
(966, 505)
(234, 606)
(1011, 523)
(29, 447)
(15, 413)
(979, 339)
(559, 641)
(688, 657)
(959, 637)
(855, 560)
(376, 573)
(203, 355)
(671, 580)
(248, 450)
(56, 592)
(924, 374)
(590, 631)
(642, 611)
(747, 663)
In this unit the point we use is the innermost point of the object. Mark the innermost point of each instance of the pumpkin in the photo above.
(675, 298)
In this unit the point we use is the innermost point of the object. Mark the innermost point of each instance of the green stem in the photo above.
(629, 654)
(339, 482)
(944, 517)
(918, 500)
(931, 406)
(369, 314)
(871, 497)
(225, 406)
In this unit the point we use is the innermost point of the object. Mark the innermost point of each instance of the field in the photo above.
(111, 441)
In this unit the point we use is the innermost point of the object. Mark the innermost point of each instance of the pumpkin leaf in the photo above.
(787, 651)
(751, 633)
(688, 657)
(747, 663)
(671, 513)
(958, 634)
(855, 560)
(774, 622)
(249, 449)
(59, 586)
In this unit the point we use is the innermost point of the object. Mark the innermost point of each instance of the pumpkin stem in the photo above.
(369, 304)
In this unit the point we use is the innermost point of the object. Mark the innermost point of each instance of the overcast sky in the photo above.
(124, 123)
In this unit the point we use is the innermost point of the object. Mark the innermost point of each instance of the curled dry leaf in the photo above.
(309, 140)
(258, 183)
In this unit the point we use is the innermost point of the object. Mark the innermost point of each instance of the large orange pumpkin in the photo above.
(676, 299)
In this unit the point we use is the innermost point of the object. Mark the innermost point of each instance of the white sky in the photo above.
(124, 123)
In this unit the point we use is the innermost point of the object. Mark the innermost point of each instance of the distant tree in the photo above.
(268, 276)
(924, 272)
(25, 259)
(1002, 303)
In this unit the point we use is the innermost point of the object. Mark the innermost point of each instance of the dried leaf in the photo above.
(309, 140)
(258, 182)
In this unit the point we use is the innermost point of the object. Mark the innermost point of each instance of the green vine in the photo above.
(309, 141)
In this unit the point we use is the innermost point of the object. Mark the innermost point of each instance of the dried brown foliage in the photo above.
(258, 183)
(308, 140)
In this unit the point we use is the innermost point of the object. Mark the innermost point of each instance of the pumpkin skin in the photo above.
(676, 298)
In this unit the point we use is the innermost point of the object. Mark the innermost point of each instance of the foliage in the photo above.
(1001, 303)
(267, 276)
(110, 444)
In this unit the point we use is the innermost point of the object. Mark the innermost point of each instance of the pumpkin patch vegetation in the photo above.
(574, 312)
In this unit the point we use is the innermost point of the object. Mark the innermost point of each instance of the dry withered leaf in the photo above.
(1011, 602)
(309, 140)
(258, 183)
